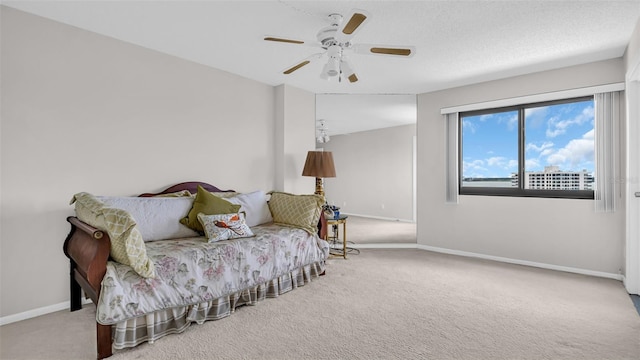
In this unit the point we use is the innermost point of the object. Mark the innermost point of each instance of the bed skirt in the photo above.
(151, 327)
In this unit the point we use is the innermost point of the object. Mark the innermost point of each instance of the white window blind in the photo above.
(607, 148)
(451, 152)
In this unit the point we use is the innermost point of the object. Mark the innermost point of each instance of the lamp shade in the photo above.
(319, 164)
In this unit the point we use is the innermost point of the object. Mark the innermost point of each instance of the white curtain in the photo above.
(607, 147)
(452, 157)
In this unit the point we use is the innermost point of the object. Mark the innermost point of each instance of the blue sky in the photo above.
(560, 135)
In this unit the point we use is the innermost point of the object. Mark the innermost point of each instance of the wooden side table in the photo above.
(342, 219)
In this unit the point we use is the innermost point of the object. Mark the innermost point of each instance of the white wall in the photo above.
(558, 232)
(374, 172)
(295, 136)
(83, 112)
(632, 250)
(632, 53)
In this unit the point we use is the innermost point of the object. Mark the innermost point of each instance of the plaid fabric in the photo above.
(154, 326)
(127, 246)
(302, 211)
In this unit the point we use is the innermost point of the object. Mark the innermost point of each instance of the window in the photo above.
(542, 149)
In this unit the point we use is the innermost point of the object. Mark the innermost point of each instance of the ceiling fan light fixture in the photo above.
(347, 70)
(333, 67)
(321, 131)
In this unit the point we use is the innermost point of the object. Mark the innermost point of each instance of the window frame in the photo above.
(520, 191)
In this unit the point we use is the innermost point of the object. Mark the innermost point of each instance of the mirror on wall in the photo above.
(373, 141)
(341, 114)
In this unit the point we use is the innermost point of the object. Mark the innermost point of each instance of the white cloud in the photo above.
(502, 162)
(475, 165)
(589, 134)
(557, 126)
(512, 122)
(532, 164)
(536, 111)
(535, 117)
(496, 161)
(546, 145)
(474, 169)
(575, 153)
(547, 152)
(466, 124)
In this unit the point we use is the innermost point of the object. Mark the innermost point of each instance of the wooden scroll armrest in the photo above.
(88, 249)
(94, 232)
(322, 227)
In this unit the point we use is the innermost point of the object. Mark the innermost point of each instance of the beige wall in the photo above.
(632, 250)
(374, 172)
(632, 53)
(83, 112)
(558, 232)
(295, 136)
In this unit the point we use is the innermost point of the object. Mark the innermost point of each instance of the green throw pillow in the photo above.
(208, 204)
(301, 211)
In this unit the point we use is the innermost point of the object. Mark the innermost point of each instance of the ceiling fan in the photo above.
(335, 40)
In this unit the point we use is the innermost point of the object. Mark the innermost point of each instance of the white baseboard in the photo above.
(378, 217)
(65, 305)
(523, 262)
(384, 246)
(601, 274)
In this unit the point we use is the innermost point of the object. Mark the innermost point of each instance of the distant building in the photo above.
(552, 178)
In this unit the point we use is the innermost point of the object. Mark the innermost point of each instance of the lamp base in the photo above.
(319, 188)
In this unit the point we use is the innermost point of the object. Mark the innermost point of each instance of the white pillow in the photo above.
(157, 218)
(255, 207)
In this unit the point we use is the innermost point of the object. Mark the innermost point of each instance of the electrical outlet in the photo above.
(382, 206)
(344, 204)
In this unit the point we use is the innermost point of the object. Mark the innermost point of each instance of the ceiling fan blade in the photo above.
(302, 63)
(371, 49)
(347, 70)
(351, 24)
(277, 39)
(296, 67)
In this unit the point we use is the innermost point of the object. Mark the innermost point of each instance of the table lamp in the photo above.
(320, 165)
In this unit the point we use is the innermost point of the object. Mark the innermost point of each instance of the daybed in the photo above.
(144, 290)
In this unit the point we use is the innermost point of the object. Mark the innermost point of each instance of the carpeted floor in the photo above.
(387, 304)
(363, 230)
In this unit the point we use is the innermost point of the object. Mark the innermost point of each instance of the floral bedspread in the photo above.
(191, 271)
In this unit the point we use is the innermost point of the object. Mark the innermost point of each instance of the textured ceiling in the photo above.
(457, 42)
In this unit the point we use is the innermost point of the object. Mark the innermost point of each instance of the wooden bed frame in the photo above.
(88, 251)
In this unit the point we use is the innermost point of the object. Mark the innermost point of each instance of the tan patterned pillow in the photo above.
(302, 211)
(127, 246)
(225, 194)
(183, 193)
